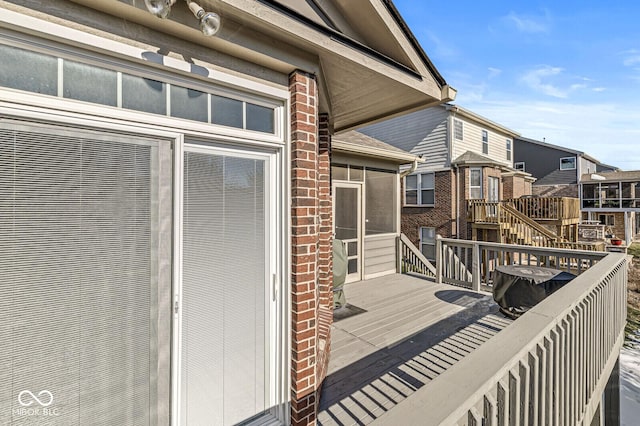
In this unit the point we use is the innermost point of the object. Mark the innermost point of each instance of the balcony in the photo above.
(545, 222)
(425, 351)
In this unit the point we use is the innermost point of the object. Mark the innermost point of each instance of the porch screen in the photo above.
(79, 277)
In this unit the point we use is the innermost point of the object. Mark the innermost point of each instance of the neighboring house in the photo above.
(165, 199)
(365, 175)
(556, 168)
(613, 200)
(466, 156)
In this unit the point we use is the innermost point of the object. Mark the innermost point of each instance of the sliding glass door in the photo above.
(227, 347)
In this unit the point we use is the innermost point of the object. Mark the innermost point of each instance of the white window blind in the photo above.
(224, 375)
(79, 274)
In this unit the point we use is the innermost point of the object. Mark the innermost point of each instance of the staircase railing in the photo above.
(526, 230)
(410, 259)
(547, 208)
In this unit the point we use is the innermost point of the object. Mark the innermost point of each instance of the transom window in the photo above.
(458, 129)
(475, 183)
(485, 142)
(49, 75)
(568, 163)
(420, 190)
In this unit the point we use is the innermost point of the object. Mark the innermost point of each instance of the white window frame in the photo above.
(485, 142)
(458, 129)
(575, 162)
(509, 145)
(476, 186)
(423, 243)
(519, 166)
(419, 189)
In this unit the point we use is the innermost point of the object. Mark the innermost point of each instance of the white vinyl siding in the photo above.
(420, 133)
(379, 255)
(473, 141)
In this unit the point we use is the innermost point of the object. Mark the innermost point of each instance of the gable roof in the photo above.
(356, 143)
(620, 176)
(368, 64)
(458, 110)
(558, 147)
(558, 177)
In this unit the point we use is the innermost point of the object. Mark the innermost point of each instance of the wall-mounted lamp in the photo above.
(209, 21)
(160, 8)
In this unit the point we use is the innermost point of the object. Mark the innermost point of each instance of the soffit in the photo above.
(358, 83)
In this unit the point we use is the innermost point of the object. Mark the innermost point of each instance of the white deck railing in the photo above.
(471, 264)
(550, 367)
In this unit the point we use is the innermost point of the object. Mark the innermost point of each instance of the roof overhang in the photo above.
(458, 110)
(358, 84)
(373, 152)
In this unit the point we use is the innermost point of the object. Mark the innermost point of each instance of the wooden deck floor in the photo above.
(412, 331)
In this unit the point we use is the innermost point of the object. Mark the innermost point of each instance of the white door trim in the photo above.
(360, 226)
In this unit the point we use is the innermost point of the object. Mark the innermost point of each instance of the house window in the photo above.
(568, 163)
(485, 142)
(35, 72)
(457, 129)
(475, 183)
(519, 166)
(509, 150)
(428, 242)
(420, 190)
(607, 219)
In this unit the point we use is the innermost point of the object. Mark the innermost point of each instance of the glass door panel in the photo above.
(348, 226)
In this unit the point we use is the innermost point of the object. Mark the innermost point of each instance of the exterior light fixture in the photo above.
(209, 21)
(160, 8)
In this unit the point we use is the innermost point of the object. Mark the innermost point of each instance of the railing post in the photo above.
(398, 255)
(476, 273)
(439, 258)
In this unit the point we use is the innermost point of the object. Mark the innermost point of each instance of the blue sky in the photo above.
(567, 71)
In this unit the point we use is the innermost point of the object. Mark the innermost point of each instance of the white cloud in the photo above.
(534, 79)
(441, 47)
(631, 57)
(494, 72)
(599, 89)
(527, 24)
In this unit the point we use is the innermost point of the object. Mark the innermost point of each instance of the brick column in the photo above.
(310, 246)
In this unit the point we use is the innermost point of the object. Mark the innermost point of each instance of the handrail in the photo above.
(547, 208)
(511, 213)
(483, 257)
(410, 259)
(549, 367)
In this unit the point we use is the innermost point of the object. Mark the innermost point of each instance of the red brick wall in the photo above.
(311, 233)
(515, 186)
(441, 216)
